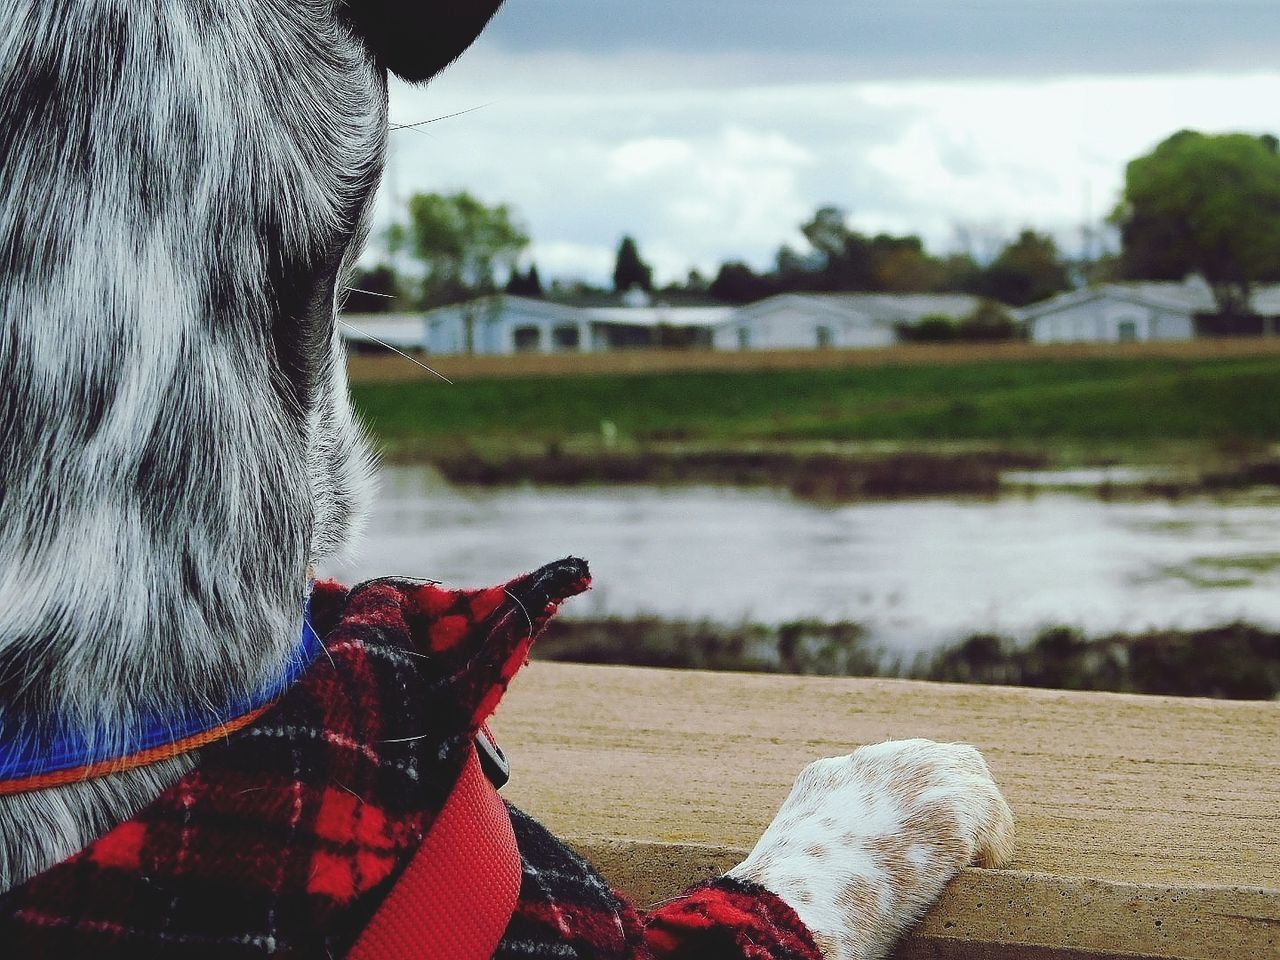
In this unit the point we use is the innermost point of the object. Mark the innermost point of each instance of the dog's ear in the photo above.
(416, 39)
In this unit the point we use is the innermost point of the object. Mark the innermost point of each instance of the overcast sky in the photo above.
(710, 128)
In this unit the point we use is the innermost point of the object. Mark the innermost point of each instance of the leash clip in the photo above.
(492, 760)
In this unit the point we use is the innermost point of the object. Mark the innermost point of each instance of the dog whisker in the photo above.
(521, 606)
(447, 116)
(384, 343)
(373, 293)
(425, 133)
(343, 786)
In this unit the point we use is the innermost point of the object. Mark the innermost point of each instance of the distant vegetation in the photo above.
(1135, 407)
(1208, 204)
(1234, 661)
(1203, 203)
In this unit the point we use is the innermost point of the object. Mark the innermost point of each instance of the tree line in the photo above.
(1198, 203)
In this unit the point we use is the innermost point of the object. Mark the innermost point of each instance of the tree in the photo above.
(933, 328)
(847, 260)
(462, 243)
(1028, 270)
(1208, 204)
(960, 273)
(903, 266)
(845, 256)
(738, 283)
(695, 282)
(629, 270)
(525, 284)
(372, 290)
(988, 321)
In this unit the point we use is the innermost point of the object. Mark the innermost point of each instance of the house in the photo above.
(1120, 312)
(504, 324)
(798, 321)
(375, 332)
(654, 325)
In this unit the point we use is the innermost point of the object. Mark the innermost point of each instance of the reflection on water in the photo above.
(916, 573)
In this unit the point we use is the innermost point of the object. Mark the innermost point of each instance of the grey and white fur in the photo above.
(184, 187)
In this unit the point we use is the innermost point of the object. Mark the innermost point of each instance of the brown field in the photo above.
(384, 368)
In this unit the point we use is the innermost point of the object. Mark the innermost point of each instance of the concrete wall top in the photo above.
(1147, 826)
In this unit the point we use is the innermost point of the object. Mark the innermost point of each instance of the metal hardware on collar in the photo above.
(492, 760)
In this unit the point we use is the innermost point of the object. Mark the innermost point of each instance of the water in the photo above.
(917, 573)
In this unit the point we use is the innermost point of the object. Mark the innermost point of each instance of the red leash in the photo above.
(456, 897)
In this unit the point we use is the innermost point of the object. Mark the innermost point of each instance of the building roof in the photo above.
(910, 306)
(496, 302)
(634, 297)
(653, 315)
(874, 309)
(661, 314)
(1191, 296)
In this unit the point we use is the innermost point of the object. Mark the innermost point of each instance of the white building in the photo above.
(798, 321)
(653, 325)
(504, 324)
(1119, 312)
(376, 331)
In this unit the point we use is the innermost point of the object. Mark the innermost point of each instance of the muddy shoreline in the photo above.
(1237, 661)
(824, 476)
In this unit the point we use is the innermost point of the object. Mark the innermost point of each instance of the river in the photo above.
(915, 573)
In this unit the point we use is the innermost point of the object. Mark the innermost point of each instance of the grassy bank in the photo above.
(1080, 409)
(1233, 661)
(846, 433)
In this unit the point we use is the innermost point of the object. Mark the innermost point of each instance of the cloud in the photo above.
(562, 258)
(906, 39)
(731, 182)
(1048, 154)
(702, 167)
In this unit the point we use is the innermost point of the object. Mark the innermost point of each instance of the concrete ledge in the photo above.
(1148, 826)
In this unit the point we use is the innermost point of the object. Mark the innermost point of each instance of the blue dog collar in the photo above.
(73, 755)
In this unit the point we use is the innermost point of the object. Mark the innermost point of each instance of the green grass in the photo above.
(1138, 405)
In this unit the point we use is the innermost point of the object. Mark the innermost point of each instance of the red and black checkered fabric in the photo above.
(287, 837)
(567, 910)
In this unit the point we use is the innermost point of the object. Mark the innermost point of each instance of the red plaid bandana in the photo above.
(287, 837)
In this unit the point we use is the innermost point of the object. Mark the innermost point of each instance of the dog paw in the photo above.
(864, 844)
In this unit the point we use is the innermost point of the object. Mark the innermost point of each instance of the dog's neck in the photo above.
(44, 824)
(73, 753)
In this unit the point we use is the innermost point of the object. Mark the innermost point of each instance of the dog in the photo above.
(185, 188)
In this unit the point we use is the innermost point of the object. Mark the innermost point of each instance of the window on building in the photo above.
(744, 338)
(566, 338)
(1127, 331)
(527, 339)
(823, 334)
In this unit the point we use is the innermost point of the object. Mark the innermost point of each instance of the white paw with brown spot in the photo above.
(864, 844)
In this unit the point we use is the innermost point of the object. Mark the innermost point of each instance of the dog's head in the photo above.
(185, 187)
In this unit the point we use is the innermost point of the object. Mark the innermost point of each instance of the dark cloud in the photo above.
(894, 39)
